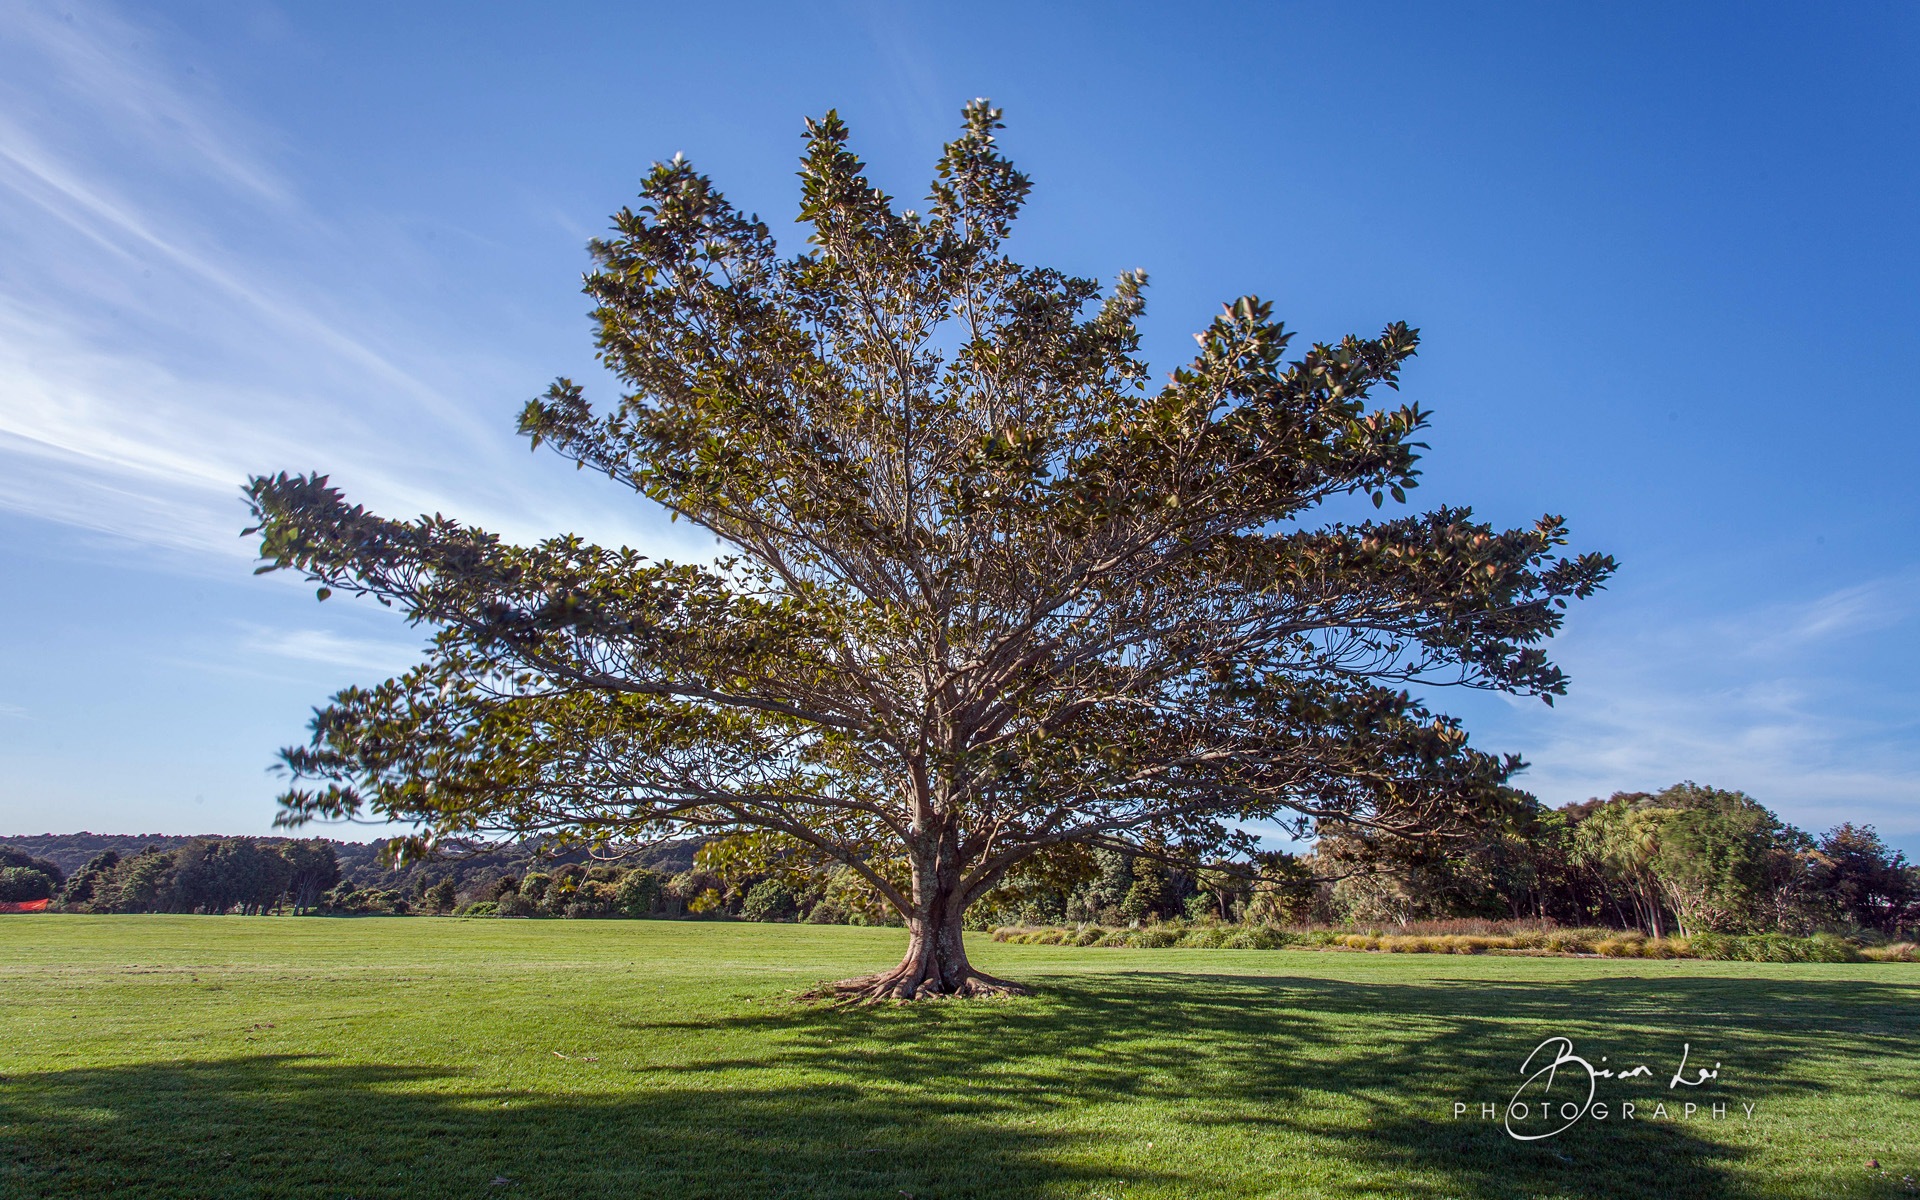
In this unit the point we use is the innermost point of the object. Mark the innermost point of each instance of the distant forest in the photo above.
(94, 872)
(359, 861)
(1686, 860)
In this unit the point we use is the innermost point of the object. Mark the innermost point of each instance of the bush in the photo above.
(348, 900)
(593, 898)
(1774, 947)
(1771, 947)
(1201, 906)
(514, 905)
(827, 913)
(1209, 937)
(562, 889)
(701, 891)
(1826, 947)
(768, 900)
(640, 892)
(1765, 947)
(483, 908)
(21, 884)
(1897, 952)
(1152, 937)
(441, 897)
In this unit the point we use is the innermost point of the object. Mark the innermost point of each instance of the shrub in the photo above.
(348, 900)
(768, 900)
(593, 898)
(1257, 937)
(1201, 906)
(1207, 937)
(440, 897)
(483, 908)
(827, 913)
(562, 888)
(514, 904)
(18, 884)
(1897, 952)
(1770, 947)
(1827, 947)
(701, 891)
(640, 892)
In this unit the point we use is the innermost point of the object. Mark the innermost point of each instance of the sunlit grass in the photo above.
(205, 1057)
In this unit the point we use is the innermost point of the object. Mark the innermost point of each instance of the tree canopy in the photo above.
(989, 593)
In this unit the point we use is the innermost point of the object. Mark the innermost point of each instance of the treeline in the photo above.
(365, 883)
(26, 878)
(1686, 860)
(207, 875)
(602, 890)
(476, 874)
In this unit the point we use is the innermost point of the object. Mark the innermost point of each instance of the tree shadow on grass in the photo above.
(292, 1127)
(1035, 1097)
(1369, 1074)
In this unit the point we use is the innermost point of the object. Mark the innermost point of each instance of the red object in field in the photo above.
(23, 906)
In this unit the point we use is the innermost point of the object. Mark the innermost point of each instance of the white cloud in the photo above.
(1770, 701)
(173, 317)
(375, 657)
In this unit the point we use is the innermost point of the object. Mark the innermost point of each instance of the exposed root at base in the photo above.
(901, 984)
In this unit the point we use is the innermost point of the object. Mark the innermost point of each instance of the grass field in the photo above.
(228, 1057)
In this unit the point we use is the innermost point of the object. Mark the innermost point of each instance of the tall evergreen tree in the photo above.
(989, 591)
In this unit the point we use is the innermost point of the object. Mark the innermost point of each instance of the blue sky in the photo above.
(1664, 259)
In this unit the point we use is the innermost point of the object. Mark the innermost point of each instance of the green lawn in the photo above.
(227, 1056)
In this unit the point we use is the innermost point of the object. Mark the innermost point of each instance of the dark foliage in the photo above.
(21, 858)
(24, 884)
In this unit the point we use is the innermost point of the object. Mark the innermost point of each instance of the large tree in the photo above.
(989, 594)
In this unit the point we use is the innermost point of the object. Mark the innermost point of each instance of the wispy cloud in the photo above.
(376, 658)
(174, 317)
(1770, 700)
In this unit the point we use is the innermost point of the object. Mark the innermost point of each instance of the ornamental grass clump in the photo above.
(1773, 947)
(1897, 952)
(1605, 943)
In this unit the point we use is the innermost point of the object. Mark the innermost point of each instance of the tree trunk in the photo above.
(936, 960)
(1650, 899)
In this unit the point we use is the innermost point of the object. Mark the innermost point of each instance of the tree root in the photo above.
(904, 983)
